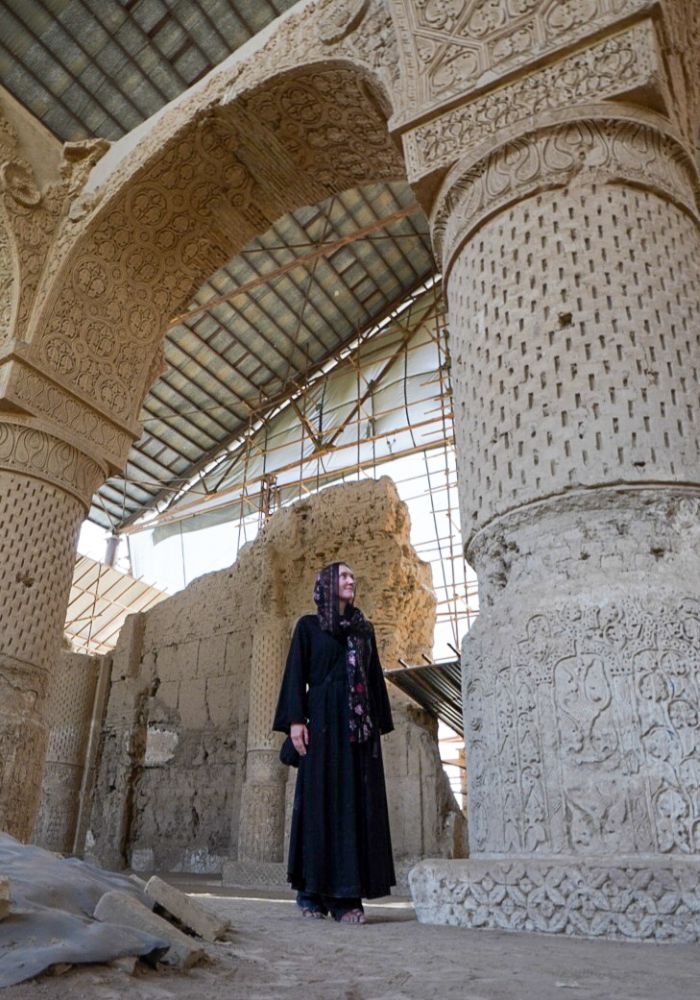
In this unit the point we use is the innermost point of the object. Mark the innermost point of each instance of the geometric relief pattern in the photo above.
(69, 711)
(586, 732)
(628, 900)
(37, 549)
(452, 46)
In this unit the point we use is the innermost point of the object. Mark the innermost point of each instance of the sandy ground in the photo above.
(273, 953)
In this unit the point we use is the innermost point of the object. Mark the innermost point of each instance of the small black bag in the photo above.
(289, 755)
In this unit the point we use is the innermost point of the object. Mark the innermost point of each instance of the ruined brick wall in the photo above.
(173, 762)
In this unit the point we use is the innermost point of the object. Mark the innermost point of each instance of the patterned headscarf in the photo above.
(356, 631)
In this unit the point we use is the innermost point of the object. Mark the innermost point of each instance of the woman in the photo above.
(334, 705)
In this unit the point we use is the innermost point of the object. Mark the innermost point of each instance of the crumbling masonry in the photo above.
(552, 144)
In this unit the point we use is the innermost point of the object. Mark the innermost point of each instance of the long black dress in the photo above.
(340, 843)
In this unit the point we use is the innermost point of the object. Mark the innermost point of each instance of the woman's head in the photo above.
(334, 590)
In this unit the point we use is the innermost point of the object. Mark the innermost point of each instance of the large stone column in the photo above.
(570, 242)
(45, 486)
(56, 447)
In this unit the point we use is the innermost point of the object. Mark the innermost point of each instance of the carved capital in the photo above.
(453, 48)
(623, 65)
(32, 451)
(66, 412)
(602, 147)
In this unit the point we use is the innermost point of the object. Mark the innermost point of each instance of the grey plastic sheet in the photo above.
(50, 920)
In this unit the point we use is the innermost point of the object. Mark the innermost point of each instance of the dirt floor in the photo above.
(273, 953)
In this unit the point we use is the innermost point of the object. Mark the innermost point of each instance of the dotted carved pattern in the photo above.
(575, 319)
(586, 732)
(68, 715)
(270, 646)
(37, 552)
(450, 45)
(69, 708)
(626, 901)
(601, 149)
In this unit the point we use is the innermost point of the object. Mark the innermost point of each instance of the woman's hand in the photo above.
(300, 737)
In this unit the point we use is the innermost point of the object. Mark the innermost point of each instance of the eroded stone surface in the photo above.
(187, 911)
(629, 898)
(117, 907)
(207, 673)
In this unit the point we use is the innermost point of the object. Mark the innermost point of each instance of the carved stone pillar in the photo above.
(45, 485)
(570, 243)
(261, 836)
(55, 450)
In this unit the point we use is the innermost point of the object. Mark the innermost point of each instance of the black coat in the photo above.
(339, 843)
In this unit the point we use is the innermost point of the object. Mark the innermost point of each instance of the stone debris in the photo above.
(186, 910)
(120, 908)
(50, 923)
(4, 897)
(126, 964)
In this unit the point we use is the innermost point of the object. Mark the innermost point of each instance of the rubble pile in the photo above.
(56, 912)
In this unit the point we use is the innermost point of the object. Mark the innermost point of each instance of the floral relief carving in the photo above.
(18, 181)
(634, 901)
(318, 119)
(340, 19)
(43, 398)
(495, 35)
(34, 452)
(602, 71)
(680, 43)
(603, 785)
(552, 157)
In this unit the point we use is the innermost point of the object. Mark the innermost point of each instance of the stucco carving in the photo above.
(79, 422)
(595, 150)
(451, 47)
(680, 39)
(622, 898)
(573, 669)
(40, 526)
(340, 19)
(26, 449)
(608, 69)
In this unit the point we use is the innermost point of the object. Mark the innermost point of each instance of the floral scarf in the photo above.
(355, 630)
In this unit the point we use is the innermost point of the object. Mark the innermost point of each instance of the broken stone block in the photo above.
(207, 925)
(121, 908)
(4, 897)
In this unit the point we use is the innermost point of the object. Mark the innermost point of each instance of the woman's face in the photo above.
(346, 583)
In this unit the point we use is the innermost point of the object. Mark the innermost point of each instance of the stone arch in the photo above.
(183, 202)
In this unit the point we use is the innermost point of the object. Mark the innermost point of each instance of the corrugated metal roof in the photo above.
(100, 68)
(435, 686)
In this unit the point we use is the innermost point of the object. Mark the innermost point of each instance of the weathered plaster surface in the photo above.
(180, 758)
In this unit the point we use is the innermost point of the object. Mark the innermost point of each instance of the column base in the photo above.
(627, 898)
